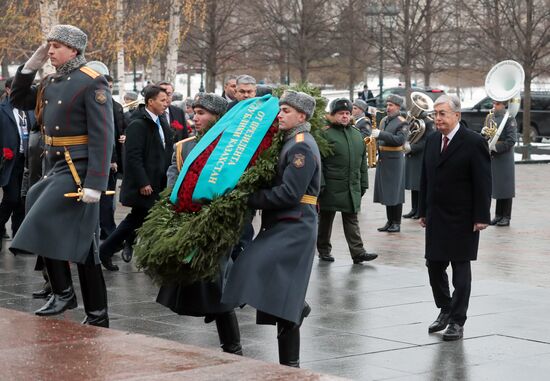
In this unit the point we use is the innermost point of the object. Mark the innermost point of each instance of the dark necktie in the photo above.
(24, 131)
(445, 144)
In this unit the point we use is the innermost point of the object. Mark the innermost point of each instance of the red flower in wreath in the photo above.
(8, 153)
(185, 193)
(176, 125)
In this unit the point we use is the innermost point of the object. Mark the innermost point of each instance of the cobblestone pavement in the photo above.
(369, 322)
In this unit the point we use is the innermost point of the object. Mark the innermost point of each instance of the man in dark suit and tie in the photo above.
(455, 199)
(174, 116)
(15, 125)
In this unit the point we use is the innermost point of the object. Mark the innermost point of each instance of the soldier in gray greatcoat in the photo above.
(272, 273)
(389, 187)
(203, 298)
(413, 165)
(503, 166)
(75, 111)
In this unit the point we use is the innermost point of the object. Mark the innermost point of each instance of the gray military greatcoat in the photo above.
(389, 186)
(413, 159)
(75, 104)
(502, 161)
(272, 273)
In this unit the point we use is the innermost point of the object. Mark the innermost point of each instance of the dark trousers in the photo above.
(414, 201)
(457, 304)
(107, 209)
(393, 213)
(351, 232)
(125, 231)
(12, 204)
(504, 208)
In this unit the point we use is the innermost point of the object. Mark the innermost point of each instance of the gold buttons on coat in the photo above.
(58, 153)
(68, 78)
(57, 128)
(46, 101)
(58, 102)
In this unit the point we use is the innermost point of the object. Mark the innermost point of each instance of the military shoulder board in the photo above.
(90, 72)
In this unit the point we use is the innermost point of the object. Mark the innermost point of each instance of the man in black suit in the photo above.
(173, 116)
(366, 94)
(15, 125)
(455, 199)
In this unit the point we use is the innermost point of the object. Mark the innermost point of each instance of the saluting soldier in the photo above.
(413, 166)
(286, 241)
(389, 187)
(75, 111)
(503, 166)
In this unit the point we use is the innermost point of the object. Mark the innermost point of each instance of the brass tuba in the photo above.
(370, 142)
(503, 83)
(421, 103)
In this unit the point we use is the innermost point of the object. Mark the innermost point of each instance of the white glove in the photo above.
(37, 60)
(90, 196)
(375, 133)
(407, 147)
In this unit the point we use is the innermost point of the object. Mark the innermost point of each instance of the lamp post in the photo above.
(380, 10)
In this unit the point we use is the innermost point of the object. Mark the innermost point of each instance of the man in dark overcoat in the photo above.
(345, 181)
(503, 166)
(413, 165)
(148, 143)
(272, 273)
(174, 116)
(455, 198)
(15, 126)
(75, 111)
(389, 186)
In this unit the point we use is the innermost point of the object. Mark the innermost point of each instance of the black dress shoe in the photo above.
(107, 262)
(99, 321)
(415, 217)
(385, 227)
(127, 253)
(42, 294)
(365, 257)
(326, 257)
(504, 221)
(410, 214)
(394, 228)
(453, 332)
(495, 220)
(440, 323)
(58, 303)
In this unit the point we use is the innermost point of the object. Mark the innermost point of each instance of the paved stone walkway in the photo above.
(369, 322)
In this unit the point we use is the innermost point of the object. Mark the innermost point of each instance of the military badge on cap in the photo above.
(101, 96)
(299, 160)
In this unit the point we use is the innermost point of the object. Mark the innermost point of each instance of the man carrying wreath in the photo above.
(272, 273)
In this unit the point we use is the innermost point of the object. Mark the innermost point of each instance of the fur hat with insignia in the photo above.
(396, 99)
(69, 35)
(210, 102)
(300, 101)
(361, 104)
(340, 104)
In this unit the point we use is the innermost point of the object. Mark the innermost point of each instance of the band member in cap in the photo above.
(75, 111)
(345, 181)
(362, 122)
(389, 188)
(203, 298)
(503, 166)
(286, 241)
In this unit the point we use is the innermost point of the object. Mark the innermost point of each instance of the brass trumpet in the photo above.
(370, 142)
(131, 104)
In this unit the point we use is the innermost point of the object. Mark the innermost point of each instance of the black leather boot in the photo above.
(289, 343)
(46, 289)
(63, 297)
(385, 227)
(414, 205)
(94, 295)
(228, 332)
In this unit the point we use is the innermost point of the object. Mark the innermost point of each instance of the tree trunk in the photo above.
(528, 69)
(173, 41)
(155, 68)
(5, 72)
(120, 49)
(49, 12)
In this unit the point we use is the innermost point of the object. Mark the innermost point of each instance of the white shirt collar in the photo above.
(453, 132)
(152, 115)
